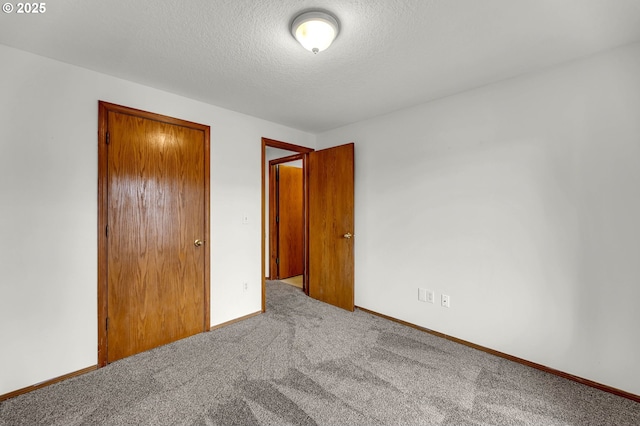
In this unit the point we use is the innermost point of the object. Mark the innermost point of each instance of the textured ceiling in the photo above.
(390, 54)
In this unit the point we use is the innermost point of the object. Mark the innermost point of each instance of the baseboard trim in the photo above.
(47, 383)
(537, 366)
(224, 324)
(95, 367)
(531, 364)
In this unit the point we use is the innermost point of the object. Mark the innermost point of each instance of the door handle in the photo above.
(348, 235)
(198, 243)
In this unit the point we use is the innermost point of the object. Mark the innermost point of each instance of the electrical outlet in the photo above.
(446, 301)
(422, 294)
(430, 296)
(245, 286)
(245, 219)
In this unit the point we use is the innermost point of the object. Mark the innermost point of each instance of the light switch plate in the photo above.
(430, 296)
(422, 294)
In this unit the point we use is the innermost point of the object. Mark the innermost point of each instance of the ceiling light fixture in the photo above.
(315, 30)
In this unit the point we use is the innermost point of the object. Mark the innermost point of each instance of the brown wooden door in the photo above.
(330, 180)
(156, 211)
(290, 222)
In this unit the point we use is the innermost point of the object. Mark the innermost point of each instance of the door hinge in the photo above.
(277, 260)
(107, 325)
(106, 230)
(277, 173)
(277, 219)
(107, 139)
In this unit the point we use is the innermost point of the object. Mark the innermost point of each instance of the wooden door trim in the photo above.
(285, 145)
(273, 224)
(103, 202)
(286, 159)
(287, 220)
(303, 151)
(103, 197)
(305, 213)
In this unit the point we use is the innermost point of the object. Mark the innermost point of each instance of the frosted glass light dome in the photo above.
(315, 30)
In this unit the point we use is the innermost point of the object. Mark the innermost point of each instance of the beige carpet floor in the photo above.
(294, 281)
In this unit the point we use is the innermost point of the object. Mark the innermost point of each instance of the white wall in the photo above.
(48, 209)
(520, 200)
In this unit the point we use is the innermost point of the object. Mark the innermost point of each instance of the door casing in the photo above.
(289, 147)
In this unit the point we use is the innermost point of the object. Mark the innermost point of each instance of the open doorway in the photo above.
(277, 154)
(328, 182)
(286, 219)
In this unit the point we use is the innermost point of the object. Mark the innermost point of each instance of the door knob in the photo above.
(198, 243)
(348, 235)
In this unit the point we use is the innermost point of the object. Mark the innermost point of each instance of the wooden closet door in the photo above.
(156, 214)
(290, 222)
